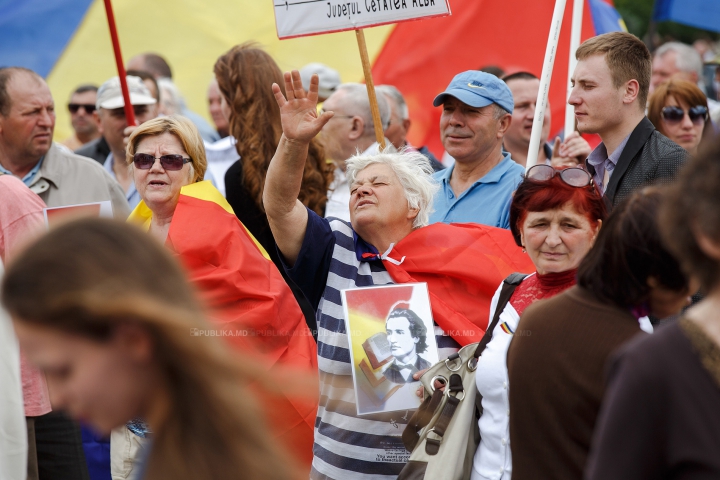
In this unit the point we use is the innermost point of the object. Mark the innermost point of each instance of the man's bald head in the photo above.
(152, 63)
(6, 74)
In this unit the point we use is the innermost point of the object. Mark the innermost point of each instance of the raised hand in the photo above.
(571, 153)
(298, 112)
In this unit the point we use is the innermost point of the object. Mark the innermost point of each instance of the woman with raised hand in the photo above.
(387, 241)
(555, 216)
(106, 313)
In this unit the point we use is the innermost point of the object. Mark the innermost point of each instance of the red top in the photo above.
(539, 286)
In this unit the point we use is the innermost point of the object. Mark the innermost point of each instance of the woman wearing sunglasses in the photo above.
(555, 216)
(679, 110)
(246, 295)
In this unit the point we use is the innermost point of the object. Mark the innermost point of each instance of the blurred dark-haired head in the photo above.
(690, 217)
(629, 257)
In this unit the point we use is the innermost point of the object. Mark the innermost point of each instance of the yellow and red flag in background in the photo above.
(67, 41)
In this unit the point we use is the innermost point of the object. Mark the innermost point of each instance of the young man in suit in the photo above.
(609, 93)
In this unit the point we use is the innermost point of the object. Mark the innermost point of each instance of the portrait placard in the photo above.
(299, 18)
(391, 336)
(54, 215)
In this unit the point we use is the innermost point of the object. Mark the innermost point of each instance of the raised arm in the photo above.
(300, 123)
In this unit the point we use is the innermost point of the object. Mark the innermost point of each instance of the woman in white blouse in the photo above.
(555, 216)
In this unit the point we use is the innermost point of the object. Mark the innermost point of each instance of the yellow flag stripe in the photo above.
(142, 215)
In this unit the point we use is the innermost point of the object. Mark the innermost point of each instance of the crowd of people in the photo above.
(201, 332)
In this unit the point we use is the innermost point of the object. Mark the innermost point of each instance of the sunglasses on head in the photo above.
(673, 115)
(145, 161)
(74, 107)
(575, 177)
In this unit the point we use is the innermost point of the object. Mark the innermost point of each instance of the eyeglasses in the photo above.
(674, 115)
(74, 107)
(575, 177)
(145, 161)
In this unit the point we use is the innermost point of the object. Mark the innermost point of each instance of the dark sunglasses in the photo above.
(673, 115)
(145, 161)
(74, 107)
(575, 177)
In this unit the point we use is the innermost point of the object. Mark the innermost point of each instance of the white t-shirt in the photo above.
(220, 156)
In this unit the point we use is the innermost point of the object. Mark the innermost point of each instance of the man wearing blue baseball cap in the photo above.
(477, 109)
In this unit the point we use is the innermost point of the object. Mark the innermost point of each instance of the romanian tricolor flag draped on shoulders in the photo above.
(248, 302)
(67, 41)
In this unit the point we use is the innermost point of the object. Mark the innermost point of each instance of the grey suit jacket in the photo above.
(68, 179)
(649, 158)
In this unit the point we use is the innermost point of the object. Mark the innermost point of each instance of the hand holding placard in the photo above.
(298, 112)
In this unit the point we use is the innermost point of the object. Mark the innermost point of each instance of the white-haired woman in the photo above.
(387, 241)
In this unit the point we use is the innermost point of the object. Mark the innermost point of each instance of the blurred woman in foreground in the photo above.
(660, 417)
(106, 313)
(679, 110)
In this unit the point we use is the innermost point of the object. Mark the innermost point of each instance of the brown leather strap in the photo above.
(420, 419)
(432, 446)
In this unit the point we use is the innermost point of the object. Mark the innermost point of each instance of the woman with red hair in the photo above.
(555, 216)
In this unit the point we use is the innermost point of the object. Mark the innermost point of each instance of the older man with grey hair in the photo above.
(390, 205)
(675, 60)
(400, 123)
(678, 60)
(349, 132)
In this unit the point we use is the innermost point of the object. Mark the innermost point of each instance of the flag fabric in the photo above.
(247, 299)
(703, 14)
(463, 265)
(67, 41)
(420, 58)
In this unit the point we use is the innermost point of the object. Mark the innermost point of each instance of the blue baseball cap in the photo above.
(477, 89)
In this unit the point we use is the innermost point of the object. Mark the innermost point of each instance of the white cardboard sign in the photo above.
(299, 18)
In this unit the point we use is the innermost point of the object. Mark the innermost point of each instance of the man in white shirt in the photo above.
(110, 113)
(349, 132)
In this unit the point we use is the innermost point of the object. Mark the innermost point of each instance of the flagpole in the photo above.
(542, 99)
(129, 113)
(576, 30)
(374, 109)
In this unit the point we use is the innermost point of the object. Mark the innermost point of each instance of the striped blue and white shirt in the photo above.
(347, 446)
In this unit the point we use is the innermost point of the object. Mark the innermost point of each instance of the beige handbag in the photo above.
(443, 433)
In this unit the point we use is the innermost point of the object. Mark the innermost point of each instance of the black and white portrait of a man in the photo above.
(407, 336)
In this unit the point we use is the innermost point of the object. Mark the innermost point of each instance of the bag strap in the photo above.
(420, 419)
(509, 284)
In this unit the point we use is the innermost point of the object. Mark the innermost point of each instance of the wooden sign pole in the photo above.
(374, 109)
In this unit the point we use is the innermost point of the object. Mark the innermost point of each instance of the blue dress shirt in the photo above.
(487, 201)
(601, 161)
(27, 179)
(132, 195)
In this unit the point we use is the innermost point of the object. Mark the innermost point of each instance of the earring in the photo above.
(523, 249)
